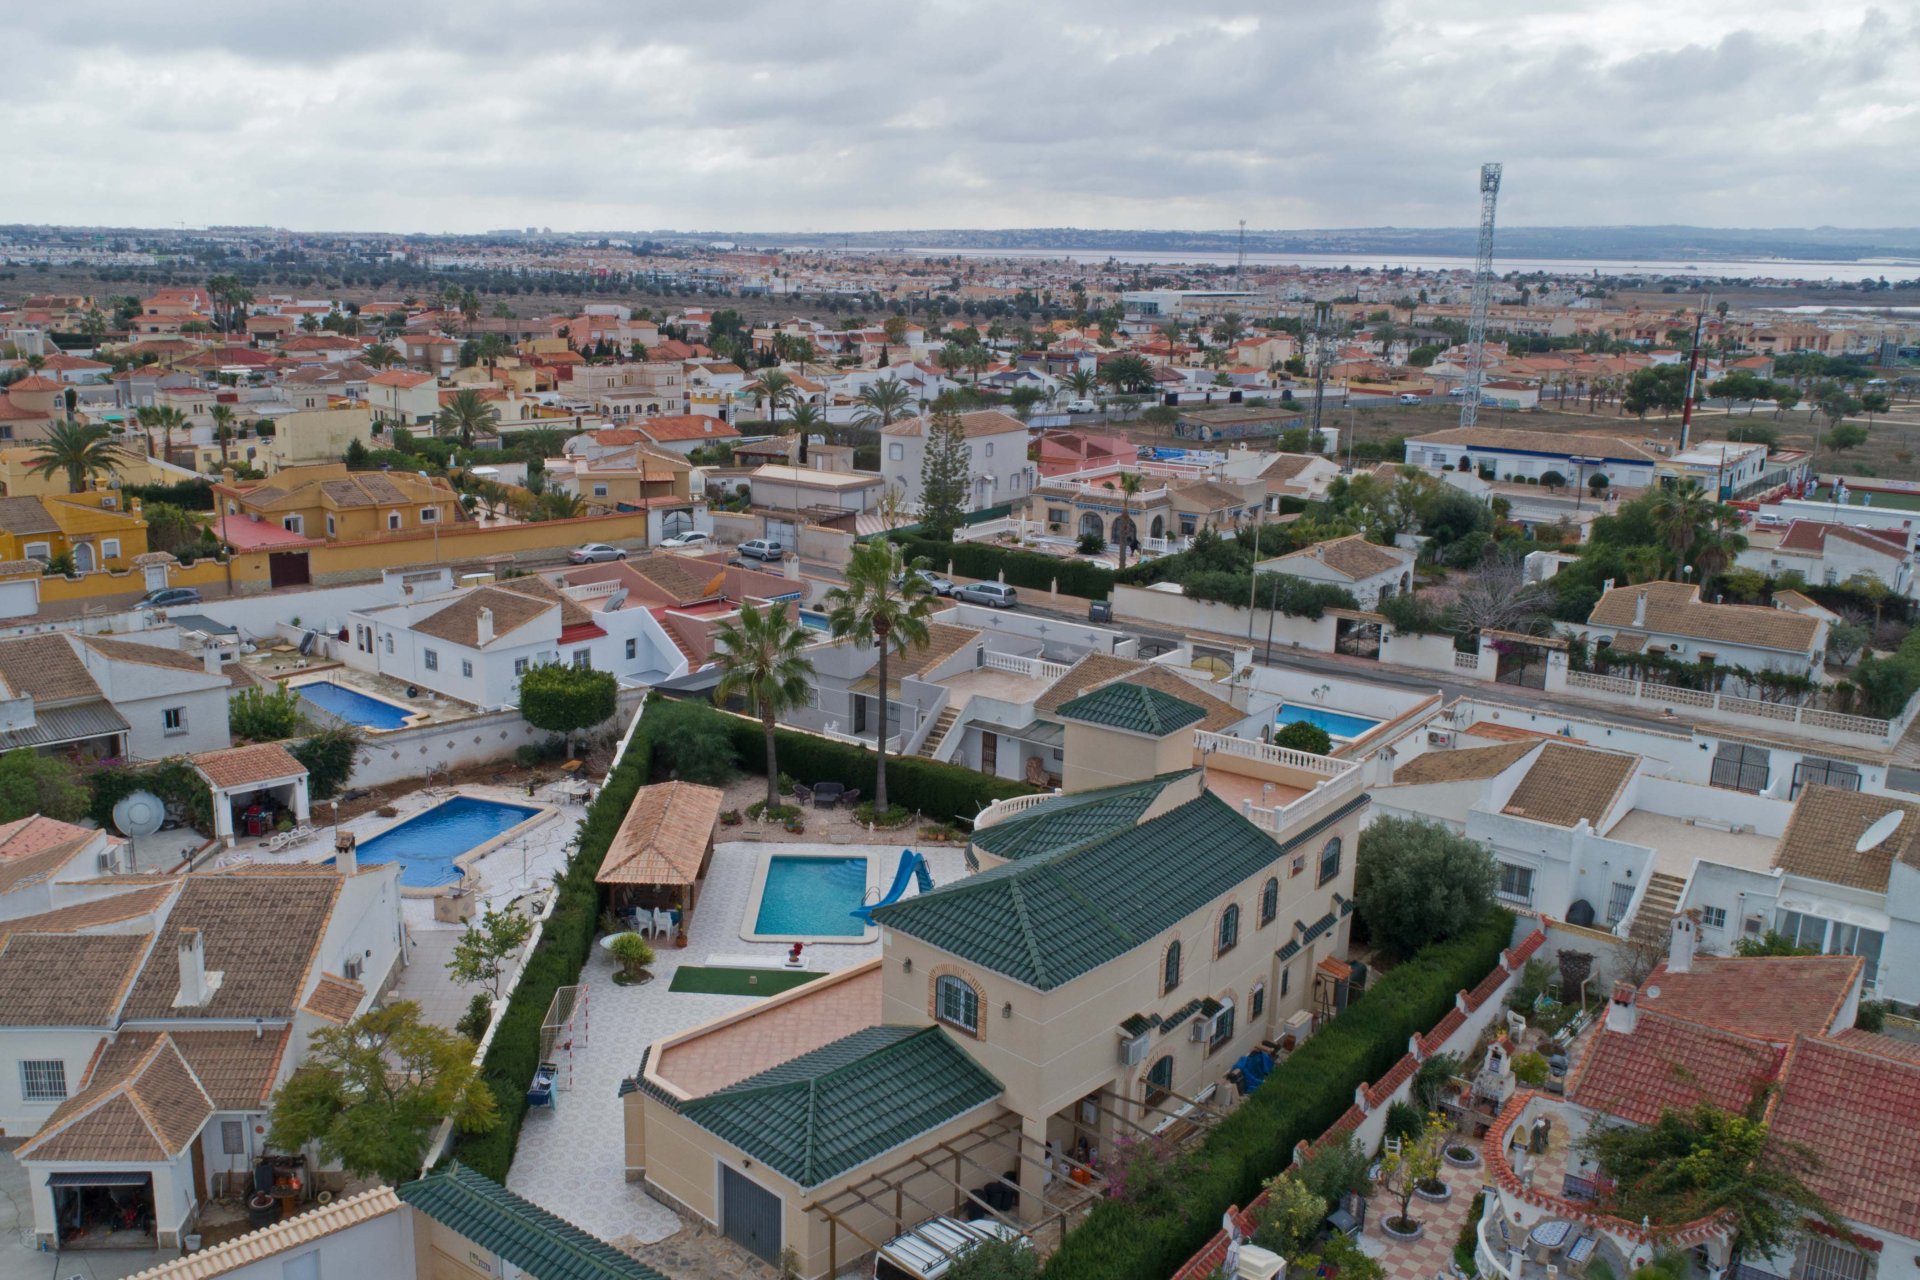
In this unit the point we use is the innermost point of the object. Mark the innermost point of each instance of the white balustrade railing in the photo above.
(1727, 704)
(1013, 664)
(1250, 749)
(1001, 810)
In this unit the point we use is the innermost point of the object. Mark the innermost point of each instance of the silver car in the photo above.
(595, 553)
(996, 595)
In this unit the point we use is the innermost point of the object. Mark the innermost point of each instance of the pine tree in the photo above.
(945, 476)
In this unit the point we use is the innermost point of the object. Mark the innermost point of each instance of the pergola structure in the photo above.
(659, 855)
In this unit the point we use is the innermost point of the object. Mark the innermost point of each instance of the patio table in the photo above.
(1551, 1234)
(827, 794)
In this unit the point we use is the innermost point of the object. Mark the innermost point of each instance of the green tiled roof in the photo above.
(526, 1235)
(1133, 707)
(1049, 918)
(823, 1113)
(1072, 819)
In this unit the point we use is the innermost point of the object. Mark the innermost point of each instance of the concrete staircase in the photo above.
(1658, 905)
(938, 733)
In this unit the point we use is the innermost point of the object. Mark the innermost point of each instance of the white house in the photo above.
(133, 694)
(1670, 618)
(1372, 572)
(996, 451)
(403, 396)
(1825, 554)
(1500, 453)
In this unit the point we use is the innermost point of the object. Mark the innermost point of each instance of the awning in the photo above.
(1828, 909)
(55, 725)
(108, 1178)
(1041, 733)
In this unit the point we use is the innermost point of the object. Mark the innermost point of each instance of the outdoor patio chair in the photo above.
(850, 797)
(803, 793)
(662, 923)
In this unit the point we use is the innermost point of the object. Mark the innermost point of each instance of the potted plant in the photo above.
(731, 818)
(634, 955)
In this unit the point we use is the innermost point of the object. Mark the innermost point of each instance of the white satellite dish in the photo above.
(139, 814)
(1882, 829)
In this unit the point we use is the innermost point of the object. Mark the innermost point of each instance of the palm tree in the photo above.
(558, 504)
(380, 355)
(763, 659)
(1679, 514)
(541, 442)
(805, 419)
(773, 388)
(1082, 382)
(977, 358)
(223, 432)
(168, 420)
(81, 451)
(1129, 489)
(881, 403)
(465, 414)
(489, 348)
(885, 606)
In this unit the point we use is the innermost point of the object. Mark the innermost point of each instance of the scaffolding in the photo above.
(563, 1032)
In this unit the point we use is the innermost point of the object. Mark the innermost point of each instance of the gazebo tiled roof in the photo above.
(665, 836)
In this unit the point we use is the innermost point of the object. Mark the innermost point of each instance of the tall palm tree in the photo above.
(465, 414)
(882, 403)
(1083, 382)
(81, 451)
(168, 420)
(380, 355)
(806, 421)
(223, 432)
(763, 659)
(978, 358)
(1679, 515)
(773, 388)
(885, 606)
(542, 442)
(1129, 489)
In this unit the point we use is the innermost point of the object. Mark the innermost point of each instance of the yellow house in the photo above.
(19, 480)
(91, 527)
(627, 480)
(326, 501)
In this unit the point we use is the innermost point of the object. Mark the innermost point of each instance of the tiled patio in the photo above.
(1432, 1254)
(570, 1159)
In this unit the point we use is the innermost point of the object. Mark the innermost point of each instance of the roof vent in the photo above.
(1880, 832)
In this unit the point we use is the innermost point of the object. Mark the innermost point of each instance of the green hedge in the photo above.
(939, 791)
(564, 946)
(1021, 568)
(1304, 1095)
(194, 495)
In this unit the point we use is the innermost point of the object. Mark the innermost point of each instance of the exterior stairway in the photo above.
(939, 733)
(1657, 908)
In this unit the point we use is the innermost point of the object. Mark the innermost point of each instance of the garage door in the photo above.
(750, 1215)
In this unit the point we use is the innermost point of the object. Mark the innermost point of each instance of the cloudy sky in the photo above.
(411, 115)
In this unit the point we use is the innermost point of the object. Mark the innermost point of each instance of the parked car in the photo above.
(1081, 406)
(691, 538)
(1770, 520)
(171, 597)
(1458, 391)
(595, 553)
(996, 595)
(763, 549)
(935, 583)
(927, 1251)
(1407, 397)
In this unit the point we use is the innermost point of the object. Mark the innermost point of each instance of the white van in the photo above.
(927, 1251)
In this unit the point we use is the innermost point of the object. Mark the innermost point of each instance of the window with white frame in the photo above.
(294, 524)
(599, 491)
(173, 721)
(109, 548)
(583, 659)
(1713, 917)
(43, 1080)
(466, 668)
(989, 448)
(233, 1138)
(519, 666)
(633, 649)
(956, 1003)
(896, 453)
(393, 519)
(39, 550)
(1257, 1000)
(430, 658)
(1329, 860)
(330, 526)
(1516, 883)
(1222, 1027)
(429, 514)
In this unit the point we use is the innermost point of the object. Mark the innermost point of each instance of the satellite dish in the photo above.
(1876, 835)
(139, 814)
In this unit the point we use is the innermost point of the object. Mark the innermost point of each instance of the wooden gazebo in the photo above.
(659, 856)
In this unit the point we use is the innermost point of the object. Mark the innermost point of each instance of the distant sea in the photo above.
(1707, 269)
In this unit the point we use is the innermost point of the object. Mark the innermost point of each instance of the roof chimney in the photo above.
(483, 627)
(1686, 934)
(196, 984)
(1640, 610)
(210, 658)
(1623, 1013)
(346, 857)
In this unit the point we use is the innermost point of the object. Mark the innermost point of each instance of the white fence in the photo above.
(1000, 810)
(1829, 724)
(454, 744)
(1268, 754)
(1037, 668)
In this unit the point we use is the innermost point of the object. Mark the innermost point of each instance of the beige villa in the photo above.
(1119, 950)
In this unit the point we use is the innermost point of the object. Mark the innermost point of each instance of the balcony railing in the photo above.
(1250, 749)
(1001, 810)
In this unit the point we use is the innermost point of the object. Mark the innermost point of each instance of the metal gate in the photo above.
(288, 569)
(750, 1215)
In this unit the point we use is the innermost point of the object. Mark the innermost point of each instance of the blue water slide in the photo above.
(910, 863)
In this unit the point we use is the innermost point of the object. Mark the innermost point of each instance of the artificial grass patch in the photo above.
(738, 982)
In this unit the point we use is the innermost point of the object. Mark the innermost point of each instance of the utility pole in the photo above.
(1693, 372)
(1482, 298)
(1239, 267)
(1322, 316)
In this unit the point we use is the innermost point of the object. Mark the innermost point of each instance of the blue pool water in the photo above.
(353, 706)
(811, 897)
(426, 844)
(1338, 724)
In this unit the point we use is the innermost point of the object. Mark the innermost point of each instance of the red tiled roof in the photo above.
(1382, 1089)
(1855, 1111)
(581, 631)
(1770, 998)
(1665, 1064)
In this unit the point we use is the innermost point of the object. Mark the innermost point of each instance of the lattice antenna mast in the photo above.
(1482, 297)
(1240, 264)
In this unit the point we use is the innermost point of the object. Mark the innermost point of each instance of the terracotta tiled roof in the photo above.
(1401, 1072)
(1855, 1111)
(1770, 998)
(1552, 443)
(981, 422)
(22, 516)
(236, 1068)
(1567, 783)
(1811, 536)
(249, 765)
(268, 1242)
(260, 933)
(17, 873)
(91, 913)
(67, 979)
(150, 1112)
(1352, 556)
(1465, 764)
(665, 836)
(1884, 1046)
(1665, 1064)
(1675, 609)
(459, 622)
(943, 641)
(36, 832)
(686, 426)
(335, 999)
(146, 654)
(402, 378)
(1821, 838)
(572, 612)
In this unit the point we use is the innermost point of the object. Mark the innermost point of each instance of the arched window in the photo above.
(1269, 901)
(956, 1002)
(1229, 930)
(1330, 860)
(1159, 1081)
(1170, 977)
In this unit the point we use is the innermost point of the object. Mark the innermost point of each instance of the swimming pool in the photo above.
(426, 844)
(354, 706)
(811, 898)
(1338, 724)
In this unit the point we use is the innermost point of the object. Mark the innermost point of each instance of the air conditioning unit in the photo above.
(108, 863)
(1199, 1029)
(1754, 924)
(1299, 1025)
(351, 969)
(1133, 1050)
(1439, 738)
(110, 503)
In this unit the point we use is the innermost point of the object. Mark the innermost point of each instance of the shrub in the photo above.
(1404, 1120)
(1299, 735)
(633, 953)
(1306, 1093)
(895, 816)
(176, 782)
(1873, 1015)
(1416, 882)
(566, 699)
(31, 783)
(702, 750)
(1464, 1248)
(193, 495)
(329, 756)
(474, 1022)
(997, 1260)
(1020, 568)
(265, 715)
(1530, 1068)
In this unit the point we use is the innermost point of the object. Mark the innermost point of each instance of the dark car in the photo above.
(170, 597)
